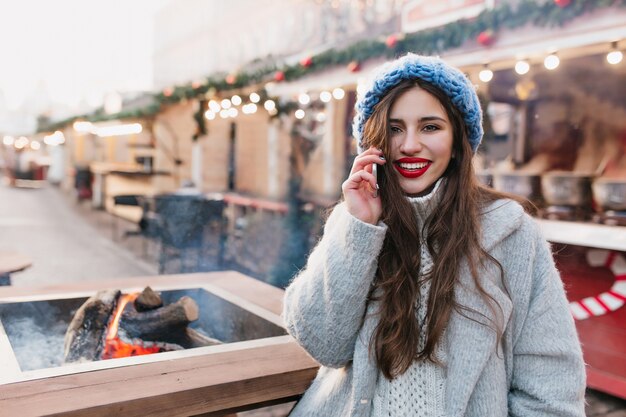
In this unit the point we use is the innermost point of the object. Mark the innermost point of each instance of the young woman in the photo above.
(430, 295)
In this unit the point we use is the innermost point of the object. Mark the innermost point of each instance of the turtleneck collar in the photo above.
(425, 204)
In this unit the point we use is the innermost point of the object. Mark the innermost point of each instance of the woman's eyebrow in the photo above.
(422, 119)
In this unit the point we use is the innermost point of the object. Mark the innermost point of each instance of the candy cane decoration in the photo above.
(610, 300)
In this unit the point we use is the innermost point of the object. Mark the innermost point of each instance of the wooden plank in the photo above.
(260, 293)
(178, 280)
(584, 234)
(177, 388)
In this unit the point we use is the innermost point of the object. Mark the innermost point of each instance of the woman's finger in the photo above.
(358, 179)
(364, 162)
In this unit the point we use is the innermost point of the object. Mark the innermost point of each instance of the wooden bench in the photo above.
(11, 262)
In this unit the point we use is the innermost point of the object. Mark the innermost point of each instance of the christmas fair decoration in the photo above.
(306, 61)
(391, 41)
(279, 76)
(610, 300)
(486, 37)
(505, 16)
(354, 66)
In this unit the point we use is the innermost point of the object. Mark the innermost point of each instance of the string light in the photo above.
(57, 138)
(485, 75)
(320, 117)
(326, 96)
(21, 142)
(615, 56)
(299, 114)
(338, 93)
(232, 112)
(236, 100)
(551, 62)
(35, 146)
(304, 99)
(8, 140)
(214, 106)
(249, 108)
(209, 115)
(269, 105)
(255, 98)
(224, 113)
(226, 104)
(522, 67)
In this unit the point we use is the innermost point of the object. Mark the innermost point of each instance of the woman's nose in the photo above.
(412, 143)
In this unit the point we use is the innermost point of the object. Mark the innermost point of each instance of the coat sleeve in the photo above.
(324, 305)
(548, 368)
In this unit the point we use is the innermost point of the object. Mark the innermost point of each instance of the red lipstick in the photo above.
(412, 173)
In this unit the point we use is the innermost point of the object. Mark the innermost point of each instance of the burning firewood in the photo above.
(148, 300)
(112, 325)
(167, 323)
(83, 339)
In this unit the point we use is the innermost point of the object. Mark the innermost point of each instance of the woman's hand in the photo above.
(360, 190)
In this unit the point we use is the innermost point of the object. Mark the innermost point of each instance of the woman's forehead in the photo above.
(417, 103)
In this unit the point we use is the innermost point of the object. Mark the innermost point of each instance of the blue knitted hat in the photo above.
(431, 70)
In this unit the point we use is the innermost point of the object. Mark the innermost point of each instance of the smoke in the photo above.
(36, 347)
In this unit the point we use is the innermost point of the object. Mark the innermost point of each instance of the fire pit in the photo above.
(254, 364)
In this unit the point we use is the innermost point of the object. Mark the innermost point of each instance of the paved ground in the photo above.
(42, 225)
(70, 242)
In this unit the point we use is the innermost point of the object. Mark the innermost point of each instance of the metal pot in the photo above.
(522, 184)
(610, 193)
(566, 189)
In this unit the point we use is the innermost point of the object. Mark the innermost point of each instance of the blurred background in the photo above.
(149, 137)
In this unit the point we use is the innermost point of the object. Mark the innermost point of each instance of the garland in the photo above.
(430, 41)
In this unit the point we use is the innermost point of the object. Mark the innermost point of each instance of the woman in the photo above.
(429, 295)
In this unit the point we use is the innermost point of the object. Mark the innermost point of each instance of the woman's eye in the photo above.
(431, 128)
(395, 129)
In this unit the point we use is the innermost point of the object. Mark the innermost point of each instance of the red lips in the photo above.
(412, 173)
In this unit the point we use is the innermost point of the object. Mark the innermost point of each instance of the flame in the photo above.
(116, 348)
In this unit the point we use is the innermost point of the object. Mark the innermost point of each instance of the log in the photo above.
(156, 324)
(85, 334)
(148, 300)
(191, 338)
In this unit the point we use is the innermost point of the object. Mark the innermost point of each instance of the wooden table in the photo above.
(229, 378)
(11, 262)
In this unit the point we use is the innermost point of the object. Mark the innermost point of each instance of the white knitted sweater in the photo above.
(424, 381)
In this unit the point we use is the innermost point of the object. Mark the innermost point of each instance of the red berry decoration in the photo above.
(354, 66)
(562, 3)
(279, 76)
(391, 41)
(231, 79)
(168, 91)
(486, 37)
(306, 62)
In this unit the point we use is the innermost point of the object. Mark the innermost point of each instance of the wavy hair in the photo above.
(453, 236)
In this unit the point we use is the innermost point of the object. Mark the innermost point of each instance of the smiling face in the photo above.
(420, 140)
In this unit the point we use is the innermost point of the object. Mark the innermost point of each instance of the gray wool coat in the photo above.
(536, 370)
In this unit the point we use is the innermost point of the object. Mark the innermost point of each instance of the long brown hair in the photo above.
(453, 236)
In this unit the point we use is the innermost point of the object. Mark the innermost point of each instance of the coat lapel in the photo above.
(471, 343)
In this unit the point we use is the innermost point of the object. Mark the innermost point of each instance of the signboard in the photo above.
(422, 14)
